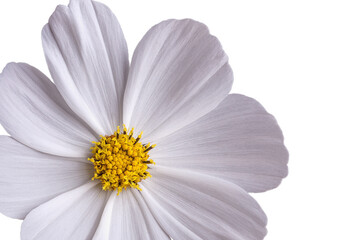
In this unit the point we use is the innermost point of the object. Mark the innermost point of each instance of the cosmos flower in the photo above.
(153, 150)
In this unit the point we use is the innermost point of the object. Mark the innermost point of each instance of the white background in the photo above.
(300, 59)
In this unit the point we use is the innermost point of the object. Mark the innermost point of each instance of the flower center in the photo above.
(120, 161)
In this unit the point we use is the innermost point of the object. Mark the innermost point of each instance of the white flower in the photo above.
(212, 148)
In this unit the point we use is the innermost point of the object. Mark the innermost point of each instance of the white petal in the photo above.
(29, 178)
(195, 206)
(72, 215)
(178, 73)
(88, 60)
(33, 112)
(238, 141)
(127, 216)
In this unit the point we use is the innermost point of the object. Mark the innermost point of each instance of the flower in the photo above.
(182, 169)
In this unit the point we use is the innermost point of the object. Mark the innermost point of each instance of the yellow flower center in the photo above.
(120, 160)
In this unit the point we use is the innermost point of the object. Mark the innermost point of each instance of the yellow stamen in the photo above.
(120, 160)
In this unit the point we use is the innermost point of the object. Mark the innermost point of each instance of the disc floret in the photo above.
(120, 160)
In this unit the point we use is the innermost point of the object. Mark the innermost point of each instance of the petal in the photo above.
(178, 73)
(29, 178)
(88, 60)
(127, 216)
(238, 141)
(33, 112)
(72, 215)
(195, 206)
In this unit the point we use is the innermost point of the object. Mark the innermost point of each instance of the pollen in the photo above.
(121, 160)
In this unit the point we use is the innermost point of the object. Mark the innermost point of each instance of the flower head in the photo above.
(72, 170)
